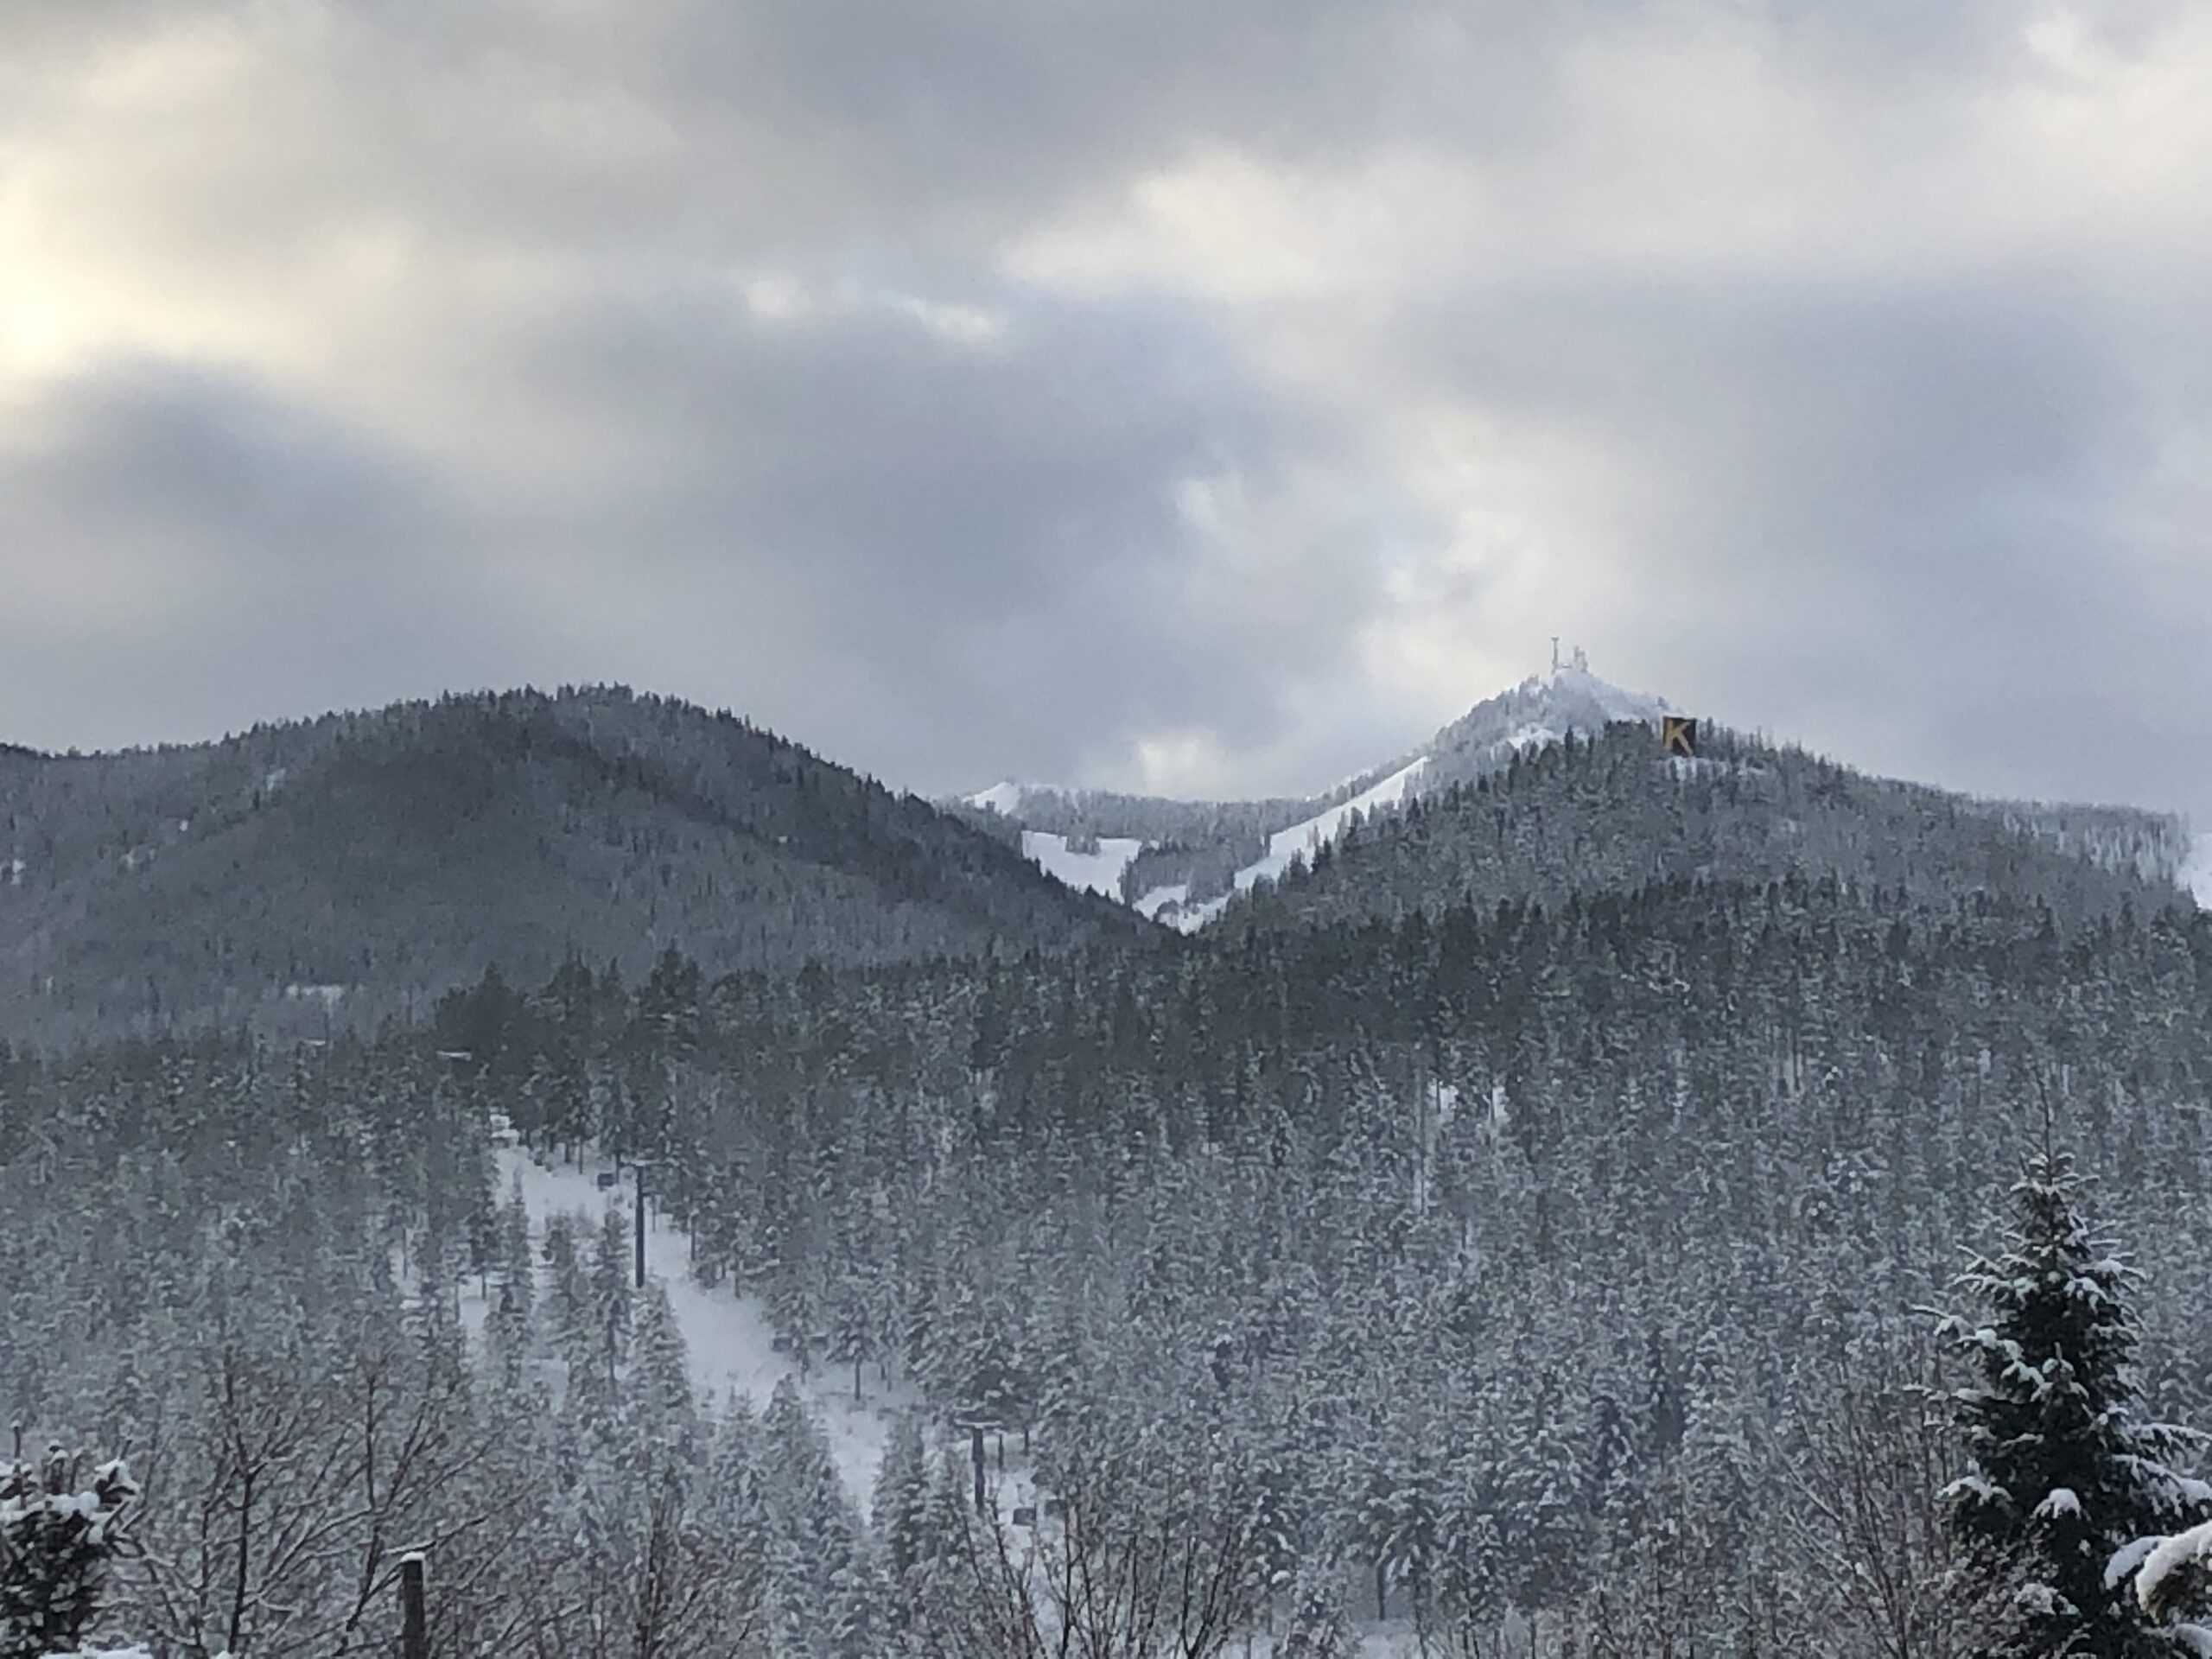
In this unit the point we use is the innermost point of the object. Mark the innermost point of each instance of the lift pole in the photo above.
(413, 1616)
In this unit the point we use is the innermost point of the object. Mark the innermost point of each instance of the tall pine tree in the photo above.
(2063, 1479)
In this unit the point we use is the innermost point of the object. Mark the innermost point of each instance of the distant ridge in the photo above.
(1186, 862)
(1192, 857)
(348, 868)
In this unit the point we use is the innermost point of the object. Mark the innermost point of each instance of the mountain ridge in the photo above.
(342, 870)
(1188, 861)
(362, 863)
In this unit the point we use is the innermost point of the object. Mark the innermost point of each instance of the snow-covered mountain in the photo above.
(1182, 861)
(1541, 710)
(2196, 874)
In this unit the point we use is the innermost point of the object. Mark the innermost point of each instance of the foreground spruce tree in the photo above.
(2064, 1483)
(57, 1543)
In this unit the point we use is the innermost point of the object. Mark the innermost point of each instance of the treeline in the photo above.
(1508, 1274)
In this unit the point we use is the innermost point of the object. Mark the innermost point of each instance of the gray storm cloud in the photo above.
(182, 550)
(1198, 398)
(1931, 525)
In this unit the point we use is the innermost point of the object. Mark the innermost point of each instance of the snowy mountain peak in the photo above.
(1183, 862)
(1573, 683)
(1542, 709)
(1569, 698)
(1007, 797)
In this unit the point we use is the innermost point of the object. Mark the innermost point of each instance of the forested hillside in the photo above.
(351, 867)
(1196, 847)
(1514, 1233)
(1609, 813)
(1185, 861)
(1528, 1259)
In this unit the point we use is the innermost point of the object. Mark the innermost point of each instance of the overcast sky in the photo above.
(1200, 396)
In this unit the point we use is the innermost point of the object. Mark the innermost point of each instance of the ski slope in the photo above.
(1309, 835)
(1098, 871)
(1306, 836)
(731, 1344)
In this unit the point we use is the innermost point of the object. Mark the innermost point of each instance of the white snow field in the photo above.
(1098, 871)
(2196, 874)
(1158, 898)
(1005, 796)
(730, 1340)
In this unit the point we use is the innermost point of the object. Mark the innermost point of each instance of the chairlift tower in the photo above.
(638, 1167)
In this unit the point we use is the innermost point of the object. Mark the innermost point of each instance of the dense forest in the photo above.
(1527, 1230)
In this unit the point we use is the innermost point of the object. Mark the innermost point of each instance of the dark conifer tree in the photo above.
(2063, 1479)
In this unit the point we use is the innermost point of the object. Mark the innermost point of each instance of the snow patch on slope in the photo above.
(1306, 837)
(1098, 871)
(2196, 873)
(1008, 797)
(1159, 899)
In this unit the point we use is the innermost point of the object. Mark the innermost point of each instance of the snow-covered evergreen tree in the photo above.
(2063, 1479)
(812, 1587)
(567, 1309)
(902, 1518)
(1319, 1627)
(56, 1543)
(517, 1267)
(611, 1306)
(2173, 1585)
(663, 1417)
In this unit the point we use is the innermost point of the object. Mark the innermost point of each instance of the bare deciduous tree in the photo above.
(1127, 1570)
(307, 1471)
(1879, 1572)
